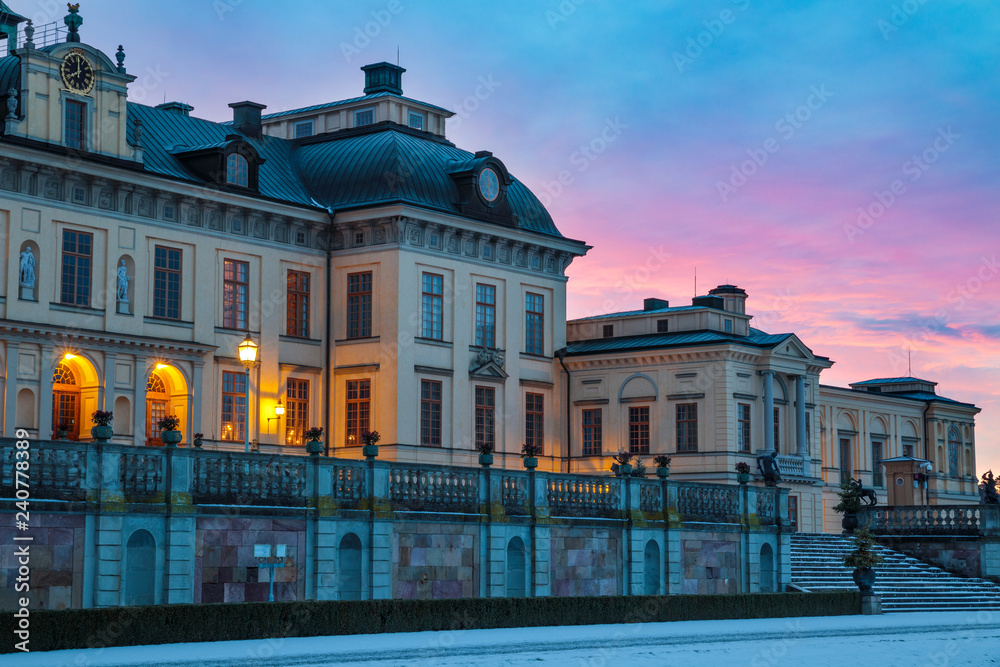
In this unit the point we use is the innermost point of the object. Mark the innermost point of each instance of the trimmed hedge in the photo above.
(164, 624)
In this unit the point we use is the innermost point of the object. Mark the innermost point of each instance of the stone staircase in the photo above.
(903, 583)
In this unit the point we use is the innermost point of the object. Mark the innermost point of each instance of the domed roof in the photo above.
(389, 164)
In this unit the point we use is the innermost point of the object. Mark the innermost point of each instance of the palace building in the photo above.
(391, 281)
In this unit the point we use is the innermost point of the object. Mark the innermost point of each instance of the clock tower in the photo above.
(69, 94)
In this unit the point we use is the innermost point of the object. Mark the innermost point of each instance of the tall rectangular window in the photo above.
(235, 294)
(234, 405)
(793, 512)
(592, 435)
(846, 470)
(432, 306)
(638, 430)
(877, 477)
(358, 410)
(167, 283)
(74, 124)
(486, 315)
(534, 324)
(777, 429)
(743, 427)
(534, 416)
(687, 427)
(430, 413)
(297, 311)
(485, 414)
(359, 305)
(296, 411)
(809, 419)
(76, 266)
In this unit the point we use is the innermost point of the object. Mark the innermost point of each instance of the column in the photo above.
(109, 380)
(46, 367)
(139, 408)
(195, 391)
(768, 410)
(10, 391)
(802, 446)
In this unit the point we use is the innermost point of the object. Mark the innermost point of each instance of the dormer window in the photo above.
(304, 129)
(364, 117)
(237, 170)
(416, 121)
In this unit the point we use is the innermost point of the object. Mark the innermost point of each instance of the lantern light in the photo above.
(248, 351)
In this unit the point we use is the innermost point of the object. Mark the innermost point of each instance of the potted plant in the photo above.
(370, 447)
(529, 455)
(485, 454)
(639, 470)
(168, 430)
(863, 559)
(102, 430)
(62, 431)
(662, 466)
(850, 503)
(743, 472)
(624, 460)
(198, 440)
(314, 437)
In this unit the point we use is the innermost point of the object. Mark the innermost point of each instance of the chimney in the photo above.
(178, 108)
(733, 297)
(246, 118)
(383, 78)
(654, 304)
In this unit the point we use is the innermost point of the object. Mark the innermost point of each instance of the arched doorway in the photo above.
(515, 568)
(166, 394)
(65, 402)
(349, 581)
(140, 568)
(156, 408)
(651, 569)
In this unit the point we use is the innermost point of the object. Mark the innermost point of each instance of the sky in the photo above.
(837, 160)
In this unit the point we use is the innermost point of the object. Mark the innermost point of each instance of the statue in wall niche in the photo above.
(123, 283)
(767, 464)
(988, 490)
(11, 104)
(27, 273)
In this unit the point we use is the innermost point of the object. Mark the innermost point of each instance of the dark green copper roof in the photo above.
(658, 341)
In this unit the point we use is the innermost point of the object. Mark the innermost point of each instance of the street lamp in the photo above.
(248, 356)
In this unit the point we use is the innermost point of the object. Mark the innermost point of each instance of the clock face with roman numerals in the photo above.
(77, 72)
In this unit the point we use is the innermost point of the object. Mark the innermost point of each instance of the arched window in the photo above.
(156, 409)
(651, 568)
(953, 444)
(766, 569)
(349, 580)
(65, 401)
(237, 170)
(140, 568)
(515, 568)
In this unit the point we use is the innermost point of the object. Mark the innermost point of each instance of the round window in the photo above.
(899, 481)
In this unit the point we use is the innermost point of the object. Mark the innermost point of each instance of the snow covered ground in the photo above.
(931, 639)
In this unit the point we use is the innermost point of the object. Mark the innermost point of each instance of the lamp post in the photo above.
(248, 356)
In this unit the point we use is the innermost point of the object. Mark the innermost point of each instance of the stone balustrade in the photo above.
(932, 520)
(71, 470)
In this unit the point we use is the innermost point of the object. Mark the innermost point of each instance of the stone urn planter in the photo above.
(198, 442)
(171, 438)
(370, 451)
(663, 472)
(314, 447)
(743, 477)
(624, 469)
(486, 460)
(102, 433)
(849, 523)
(864, 577)
(530, 462)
